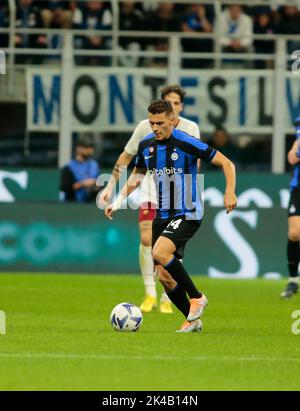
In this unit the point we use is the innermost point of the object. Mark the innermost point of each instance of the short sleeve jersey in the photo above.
(148, 193)
(172, 163)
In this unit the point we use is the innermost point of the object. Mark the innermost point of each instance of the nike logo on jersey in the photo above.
(146, 157)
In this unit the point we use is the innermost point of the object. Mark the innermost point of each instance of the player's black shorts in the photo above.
(178, 230)
(294, 203)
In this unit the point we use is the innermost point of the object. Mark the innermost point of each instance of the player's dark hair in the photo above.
(173, 88)
(160, 106)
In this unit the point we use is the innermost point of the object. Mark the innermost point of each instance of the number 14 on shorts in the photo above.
(174, 224)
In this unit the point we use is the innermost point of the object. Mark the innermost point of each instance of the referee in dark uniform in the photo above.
(171, 157)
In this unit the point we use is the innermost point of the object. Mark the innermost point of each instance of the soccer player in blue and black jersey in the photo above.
(171, 157)
(293, 247)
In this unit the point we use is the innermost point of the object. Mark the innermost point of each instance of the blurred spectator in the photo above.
(130, 19)
(247, 152)
(57, 15)
(264, 25)
(93, 15)
(4, 22)
(236, 30)
(163, 18)
(196, 21)
(149, 5)
(289, 23)
(78, 177)
(221, 141)
(29, 17)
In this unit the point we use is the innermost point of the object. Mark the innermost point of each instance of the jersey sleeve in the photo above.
(203, 151)
(134, 141)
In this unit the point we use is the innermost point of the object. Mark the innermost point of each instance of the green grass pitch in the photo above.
(58, 337)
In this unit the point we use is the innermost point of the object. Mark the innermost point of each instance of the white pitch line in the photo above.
(140, 357)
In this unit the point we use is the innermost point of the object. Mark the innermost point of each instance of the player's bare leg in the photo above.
(293, 254)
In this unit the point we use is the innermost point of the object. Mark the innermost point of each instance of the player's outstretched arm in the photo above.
(133, 182)
(293, 154)
(228, 167)
(122, 162)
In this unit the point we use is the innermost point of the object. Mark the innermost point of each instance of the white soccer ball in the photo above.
(126, 317)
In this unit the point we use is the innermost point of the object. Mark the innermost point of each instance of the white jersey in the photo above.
(148, 192)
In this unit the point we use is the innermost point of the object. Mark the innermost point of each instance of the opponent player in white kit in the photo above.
(175, 95)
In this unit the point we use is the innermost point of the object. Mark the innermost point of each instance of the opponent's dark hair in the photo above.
(160, 106)
(172, 88)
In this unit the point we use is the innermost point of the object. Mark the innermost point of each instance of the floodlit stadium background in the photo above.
(64, 77)
(57, 86)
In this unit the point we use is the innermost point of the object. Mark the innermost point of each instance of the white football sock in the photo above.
(147, 269)
(294, 280)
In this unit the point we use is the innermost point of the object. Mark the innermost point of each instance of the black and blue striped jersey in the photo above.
(173, 166)
(295, 180)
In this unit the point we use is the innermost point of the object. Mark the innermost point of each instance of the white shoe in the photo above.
(197, 307)
(193, 326)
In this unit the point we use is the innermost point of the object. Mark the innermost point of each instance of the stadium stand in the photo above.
(135, 34)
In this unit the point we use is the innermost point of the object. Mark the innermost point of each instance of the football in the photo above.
(126, 317)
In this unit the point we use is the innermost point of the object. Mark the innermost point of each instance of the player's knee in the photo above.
(146, 239)
(294, 234)
(158, 254)
(161, 254)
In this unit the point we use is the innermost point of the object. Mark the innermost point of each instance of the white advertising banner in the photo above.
(117, 99)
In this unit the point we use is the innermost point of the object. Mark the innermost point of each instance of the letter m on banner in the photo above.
(2, 62)
(43, 99)
(2, 322)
